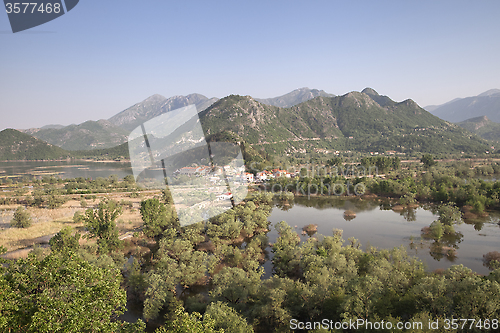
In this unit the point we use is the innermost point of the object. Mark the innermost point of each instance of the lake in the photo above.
(377, 225)
(64, 169)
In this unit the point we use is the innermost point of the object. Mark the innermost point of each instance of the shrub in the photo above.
(492, 260)
(78, 217)
(83, 203)
(22, 219)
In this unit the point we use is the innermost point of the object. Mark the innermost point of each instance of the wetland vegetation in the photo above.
(108, 246)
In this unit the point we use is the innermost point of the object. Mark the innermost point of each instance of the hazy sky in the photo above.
(106, 55)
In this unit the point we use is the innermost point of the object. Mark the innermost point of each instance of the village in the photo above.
(235, 175)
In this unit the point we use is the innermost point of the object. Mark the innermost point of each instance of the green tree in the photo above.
(183, 322)
(64, 242)
(61, 293)
(428, 160)
(83, 203)
(101, 225)
(436, 230)
(22, 219)
(156, 217)
(226, 318)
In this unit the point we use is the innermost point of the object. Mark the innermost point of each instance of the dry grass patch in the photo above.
(16, 238)
(45, 222)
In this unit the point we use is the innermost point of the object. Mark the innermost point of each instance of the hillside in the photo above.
(460, 109)
(364, 121)
(358, 121)
(154, 106)
(482, 127)
(293, 98)
(15, 145)
(85, 136)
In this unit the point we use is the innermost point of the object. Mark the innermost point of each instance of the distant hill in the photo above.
(55, 126)
(461, 109)
(483, 127)
(85, 136)
(363, 121)
(358, 121)
(295, 97)
(15, 145)
(154, 106)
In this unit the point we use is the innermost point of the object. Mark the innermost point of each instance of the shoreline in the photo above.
(68, 160)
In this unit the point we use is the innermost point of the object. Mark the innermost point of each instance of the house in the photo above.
(261, 176)
(225, 196)
(249, 177)
(264, 175)
(188, 171)
(279, 173)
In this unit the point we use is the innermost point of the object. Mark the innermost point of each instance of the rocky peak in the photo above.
(370, 92)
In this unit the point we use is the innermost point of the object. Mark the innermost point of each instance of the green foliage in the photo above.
(189, 323)
(78, 217)
(55, 201)
(157, 217)
(101, 225)
(64, 242)
(428, 160)
(226, 318)
(449, 214)
(60, 293)
(21, 219)
(437, 231)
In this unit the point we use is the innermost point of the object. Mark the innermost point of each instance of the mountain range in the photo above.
(15, 145)
(483, 127)
(295, 97)
(88, 135)
(114, 131)
(362, 121)
(460, 109)
(357, 121)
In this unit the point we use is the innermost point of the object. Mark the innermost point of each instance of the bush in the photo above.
(22, 218)
(492, 260)
(83, 203)
(55, 201)
(63, 241)
(126, 204)
(78, 217)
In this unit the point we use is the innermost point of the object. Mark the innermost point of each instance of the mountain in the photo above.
(363, 121)
(154, 106)
(483, 127)
(15, 145)
(431, 108)
(293, 98)
(357, 121)
(55, 126)
(461, 109)
(85, 136)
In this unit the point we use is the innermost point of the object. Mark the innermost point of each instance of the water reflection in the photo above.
(375, 223)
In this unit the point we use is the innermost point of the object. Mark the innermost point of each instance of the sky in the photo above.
(104, 56)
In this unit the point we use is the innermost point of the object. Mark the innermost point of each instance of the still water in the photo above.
(63, 169)
(379, 226)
